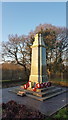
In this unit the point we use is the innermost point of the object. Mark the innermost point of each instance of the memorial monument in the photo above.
(38, 86)
(38, 63)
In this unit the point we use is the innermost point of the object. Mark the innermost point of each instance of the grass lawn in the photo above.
(5, 81)
(62, 114)
(12, 83)
(60, 82)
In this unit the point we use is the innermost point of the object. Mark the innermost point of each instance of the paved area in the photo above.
(47, 107)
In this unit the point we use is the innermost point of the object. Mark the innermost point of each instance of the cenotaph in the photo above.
(38, 86)
(38, 63)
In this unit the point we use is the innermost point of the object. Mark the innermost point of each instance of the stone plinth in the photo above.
(38, 63)
(43, 94)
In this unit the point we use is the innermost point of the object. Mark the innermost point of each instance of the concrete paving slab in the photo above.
(47, 107)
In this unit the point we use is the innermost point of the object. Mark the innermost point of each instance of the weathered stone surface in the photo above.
(43, 94)
(38, 64)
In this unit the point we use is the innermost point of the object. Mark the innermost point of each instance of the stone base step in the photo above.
(45, 89)
(39, 90)
(47, 97)
(42, 94)
(46, 93)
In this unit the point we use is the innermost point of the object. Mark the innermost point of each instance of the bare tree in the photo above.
(14, 50)
(17, 49)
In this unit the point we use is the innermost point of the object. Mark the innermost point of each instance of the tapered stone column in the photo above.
(38, 63)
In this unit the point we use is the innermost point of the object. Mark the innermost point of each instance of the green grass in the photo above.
(62, 114)
(9, 81)
(5, 80)
(12, 83)
(58, 79)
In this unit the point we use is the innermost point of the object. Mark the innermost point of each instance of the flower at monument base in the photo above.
(48, 84)
(21, 93)
(38, 85)
(25, 86)
(34, 89)
(29, 83)
(42, 85)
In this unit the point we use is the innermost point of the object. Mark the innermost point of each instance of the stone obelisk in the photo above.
(38, 63)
